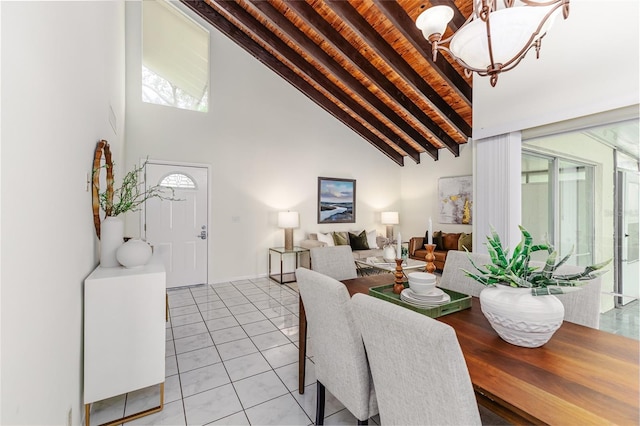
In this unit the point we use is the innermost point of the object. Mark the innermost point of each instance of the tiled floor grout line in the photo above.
(256, 309)
(232, 382)
(272, 369)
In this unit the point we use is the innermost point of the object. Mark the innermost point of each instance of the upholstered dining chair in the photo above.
(418, 369)
(336, 262)
(341, 364)
(580, 307)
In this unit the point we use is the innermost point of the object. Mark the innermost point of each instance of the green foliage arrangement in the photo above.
(515, 271)
(130, 196)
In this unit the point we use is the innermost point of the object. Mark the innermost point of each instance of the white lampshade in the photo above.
(288, 220)
(434, 20)
(389, 218)
(511, 30)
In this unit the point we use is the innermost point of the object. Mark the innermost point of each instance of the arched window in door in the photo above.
(178, 181)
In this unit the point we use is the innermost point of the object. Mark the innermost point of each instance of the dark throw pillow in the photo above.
(437, 240)
(358, 241)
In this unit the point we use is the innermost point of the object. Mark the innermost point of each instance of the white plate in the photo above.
(407, 297)
(433, 294)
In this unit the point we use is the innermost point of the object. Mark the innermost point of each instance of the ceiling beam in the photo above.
(358, 24)
(304, 42)
(350, 53)
(218, 21)
(399, 18)
(255, 27)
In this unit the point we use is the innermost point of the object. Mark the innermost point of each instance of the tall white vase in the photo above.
(111, 237)
(519, 317)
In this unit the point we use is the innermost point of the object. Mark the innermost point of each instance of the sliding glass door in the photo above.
(557, 204)
(627, 236)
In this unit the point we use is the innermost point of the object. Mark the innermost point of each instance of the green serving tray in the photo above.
(458, 302)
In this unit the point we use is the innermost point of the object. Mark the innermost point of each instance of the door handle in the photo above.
(202, 235)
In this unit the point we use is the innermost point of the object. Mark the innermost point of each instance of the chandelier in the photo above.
(497, 35)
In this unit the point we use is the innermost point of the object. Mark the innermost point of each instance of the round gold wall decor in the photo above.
(102, 148)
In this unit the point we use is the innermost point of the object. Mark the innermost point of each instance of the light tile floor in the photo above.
(231, 359)
(624, 321)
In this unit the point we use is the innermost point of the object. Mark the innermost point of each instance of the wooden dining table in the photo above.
(581, 376)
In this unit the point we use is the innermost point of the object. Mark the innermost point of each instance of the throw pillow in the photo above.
(326, 238)
(437, 240)
(341, 238)
(358, 241)
(450, 240)
(371, 240)
(465, 241)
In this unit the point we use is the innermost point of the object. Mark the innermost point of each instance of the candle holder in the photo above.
(398, 286)
(429, 258)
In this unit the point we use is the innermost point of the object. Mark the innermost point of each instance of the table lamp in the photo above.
(389, 219)
(288, 221)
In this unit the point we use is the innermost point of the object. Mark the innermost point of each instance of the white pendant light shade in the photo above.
(434, 20)
(495, 37)
(511, 32)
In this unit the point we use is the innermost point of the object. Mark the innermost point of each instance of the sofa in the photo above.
(444, 241)
(363, 244)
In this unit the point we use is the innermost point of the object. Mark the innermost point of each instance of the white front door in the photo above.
(178, 230)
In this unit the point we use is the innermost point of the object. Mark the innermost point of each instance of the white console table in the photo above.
(124, 333)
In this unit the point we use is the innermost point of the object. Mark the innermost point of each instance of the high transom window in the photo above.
(175, 58)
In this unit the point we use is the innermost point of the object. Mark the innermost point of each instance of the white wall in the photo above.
(267, 144)
(588, 63)
(419, 191)
(62, 69)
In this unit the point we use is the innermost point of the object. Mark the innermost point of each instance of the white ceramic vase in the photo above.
(134, 253)
(389, 253)
(111, 237)
(519, 317)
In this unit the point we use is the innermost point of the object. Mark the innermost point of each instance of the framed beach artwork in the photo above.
(336, 200)
(455, 199)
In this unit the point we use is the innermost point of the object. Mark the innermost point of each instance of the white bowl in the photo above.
(421, 282)
(422, 277)
(421, 288)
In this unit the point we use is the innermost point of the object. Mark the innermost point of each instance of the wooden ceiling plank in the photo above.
(333, 37)
(300, 38)
(359, 25)
(399, 18)
(264, 34)
(221, 23)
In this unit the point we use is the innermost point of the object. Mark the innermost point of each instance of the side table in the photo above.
(280, 276)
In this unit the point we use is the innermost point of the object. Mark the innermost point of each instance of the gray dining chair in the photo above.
(336, 262)
(453, 278)
(341, 364)
(580, 307)
(418, 369)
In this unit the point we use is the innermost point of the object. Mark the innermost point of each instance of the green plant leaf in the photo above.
(516, 271)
